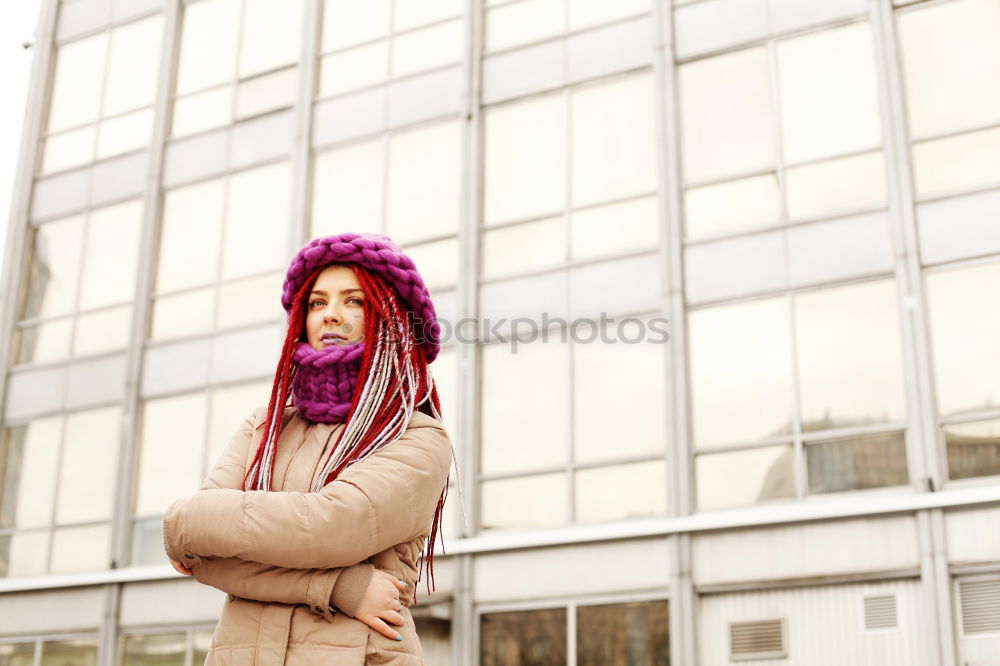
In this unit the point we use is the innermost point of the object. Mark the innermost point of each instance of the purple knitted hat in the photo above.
(378, 254)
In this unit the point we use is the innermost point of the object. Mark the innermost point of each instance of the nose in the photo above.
(332, 313)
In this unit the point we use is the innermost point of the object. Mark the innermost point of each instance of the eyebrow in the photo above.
(323, 293)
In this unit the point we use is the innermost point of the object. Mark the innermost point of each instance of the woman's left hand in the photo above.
(181, 569)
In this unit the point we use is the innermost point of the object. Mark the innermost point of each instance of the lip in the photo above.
(331, 338)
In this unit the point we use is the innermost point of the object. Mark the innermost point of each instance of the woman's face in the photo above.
(335, 314)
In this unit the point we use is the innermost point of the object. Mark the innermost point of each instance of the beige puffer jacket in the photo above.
(284, 556)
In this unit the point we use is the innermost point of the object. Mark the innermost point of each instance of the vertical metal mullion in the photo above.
(301, 211)
(128, 433)
(571, 633)
(929, 463)
(680, 466)
(465, 630)
(570, 345)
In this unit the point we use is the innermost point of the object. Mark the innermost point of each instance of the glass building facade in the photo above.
(721, 363)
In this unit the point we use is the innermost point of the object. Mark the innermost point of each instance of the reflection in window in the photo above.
(849, 357)
(523, 638)
(973, 449)
(69, 653)
(255, 63)
(528, 501)
(100, 88)
(154, 650)
(623, 634)
(243, 220)
(619, 492)
(745, 477)
(963, 338)
(17, 654)
(856, 463)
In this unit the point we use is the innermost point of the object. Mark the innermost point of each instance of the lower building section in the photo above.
(823, 593)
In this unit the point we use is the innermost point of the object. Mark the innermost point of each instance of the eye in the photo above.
(355, 300)
(313, 304)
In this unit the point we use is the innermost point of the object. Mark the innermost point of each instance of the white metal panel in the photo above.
(174, 367)
(523, 71)
(426, 96)
(572, 570)
(119, 178)
(96, 382)
(615, 48)
(180, 601)
(246, 354)
(972, 535)
(754, 263)
(345, 117)
(811, 549)
(51, 611)
(35, 392)
(824, 625)
(959, 227)
(980, 648)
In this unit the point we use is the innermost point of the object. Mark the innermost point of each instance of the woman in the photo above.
(317, 513)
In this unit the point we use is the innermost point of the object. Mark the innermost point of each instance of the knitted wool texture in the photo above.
(377, 253)
(323, 385)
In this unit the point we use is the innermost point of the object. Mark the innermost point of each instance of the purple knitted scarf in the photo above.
(324, 381)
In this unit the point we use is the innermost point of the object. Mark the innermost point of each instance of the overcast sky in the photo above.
(17, 25)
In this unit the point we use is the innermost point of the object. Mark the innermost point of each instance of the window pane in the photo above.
(428, 48)
(265, 93)
(606, 376)
(412, 13)
(272, 35)
(347, 22)
(208, 44)
(133, 65)
(76, 87)
(849, 357)
(229, 408)
(17, 654)
(745, 477)
(732, 207)
(860, 462)
(510, 386)
(524, 247)
(973, 449)
(125, 133)
(80, 549)
(190, 212)
(211, 108)
(69, 149)
(189, 313)
(615, 228)
(726, 115)
(348, 186)
(89, 466)
(958, 163)
(102, 331)
(55, 268)
(24, 554)
(250, 301)
(525, 159)
(612, 147)
(620, 634)
(147, 542)
(111, 255)
(522, 22)
(437, 262)
(838, 186)
(30, 458)
(425, 175)
(173, 432)
(202, 642)
(963, 338)
(45, 342)
(154, 650)
(740, 384)
(356, 68)
(257, 210)
(621, 492)
(534, 501)
(524, 638)
(948, 51)
(829, 96)
(69, 653)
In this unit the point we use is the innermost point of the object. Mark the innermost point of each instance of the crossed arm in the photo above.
(304, 548)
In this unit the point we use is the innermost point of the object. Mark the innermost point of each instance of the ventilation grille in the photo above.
(757, 640)
(980, 600)
(880, 612)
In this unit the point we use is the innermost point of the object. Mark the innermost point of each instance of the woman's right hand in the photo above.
(380, 604)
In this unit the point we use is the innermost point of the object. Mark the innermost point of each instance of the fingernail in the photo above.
(403, 582)
(399, 637)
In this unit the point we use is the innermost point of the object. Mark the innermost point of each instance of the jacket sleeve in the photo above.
(386, 499)
(317, 588)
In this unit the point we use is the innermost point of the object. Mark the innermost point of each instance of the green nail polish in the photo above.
(398, 637)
